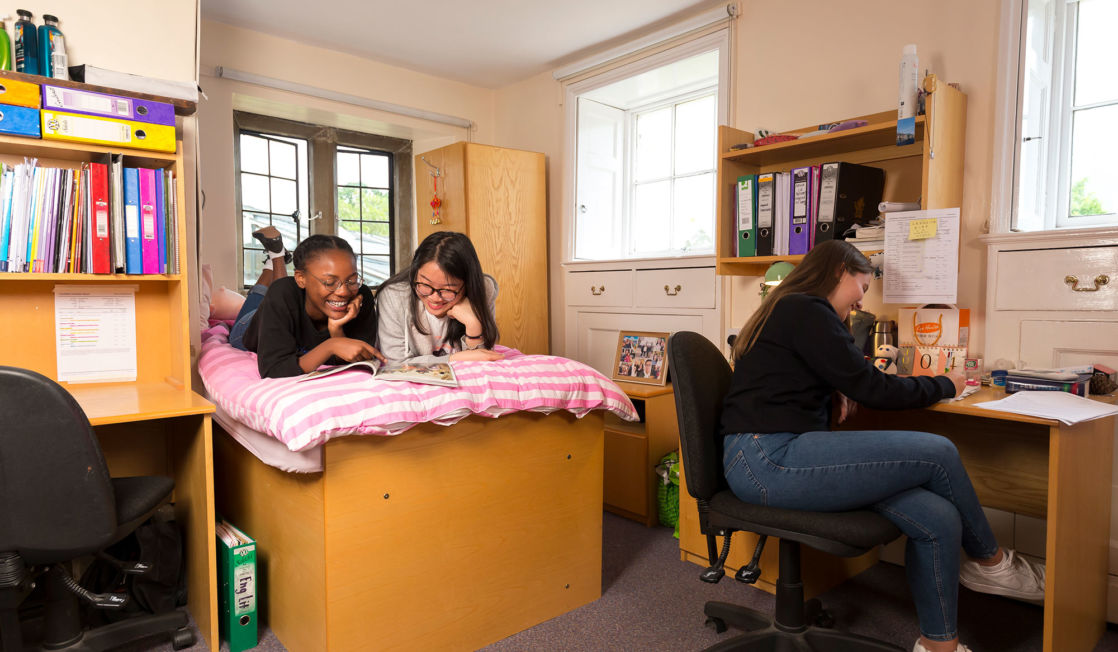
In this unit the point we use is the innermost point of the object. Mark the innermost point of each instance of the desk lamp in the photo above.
(775, 274)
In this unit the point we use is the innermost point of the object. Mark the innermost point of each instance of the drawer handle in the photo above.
(668, 291)
(597, 291)
(1073, 281)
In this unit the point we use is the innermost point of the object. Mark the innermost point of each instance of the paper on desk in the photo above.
(925, 268)
(967, 391)
(95, 333)
(1062, 406)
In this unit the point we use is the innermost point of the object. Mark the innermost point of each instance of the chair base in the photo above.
(763, 635)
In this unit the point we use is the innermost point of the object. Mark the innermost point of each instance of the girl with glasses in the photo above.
(440, 307)
(321, 315)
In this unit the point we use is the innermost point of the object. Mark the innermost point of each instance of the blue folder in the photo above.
(19, 121)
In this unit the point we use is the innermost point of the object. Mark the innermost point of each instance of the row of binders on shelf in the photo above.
(100, 218)
(787, 213)
(55, 112)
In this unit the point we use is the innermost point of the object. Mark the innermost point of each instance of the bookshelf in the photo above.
(156, 424)
(931, 168)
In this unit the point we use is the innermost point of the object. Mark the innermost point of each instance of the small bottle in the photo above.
(27, 43)
(5, 48)
(906, 106)
(52, 49)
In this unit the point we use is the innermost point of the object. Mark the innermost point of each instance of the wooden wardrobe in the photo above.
(497, 197)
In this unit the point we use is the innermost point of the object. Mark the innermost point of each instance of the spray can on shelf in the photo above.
(906, 107)
(27, 43)
(52, 49)
(5, 46)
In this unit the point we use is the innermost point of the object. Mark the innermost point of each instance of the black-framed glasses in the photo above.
(352, 283)
(425, 290)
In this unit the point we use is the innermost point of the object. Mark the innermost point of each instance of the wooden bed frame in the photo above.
(444, 538)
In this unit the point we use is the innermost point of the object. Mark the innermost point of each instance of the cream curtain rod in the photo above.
(322, 93)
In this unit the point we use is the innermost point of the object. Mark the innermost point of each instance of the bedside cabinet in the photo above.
(633, 449)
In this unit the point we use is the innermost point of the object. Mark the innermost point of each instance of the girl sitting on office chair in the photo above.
(795, 362)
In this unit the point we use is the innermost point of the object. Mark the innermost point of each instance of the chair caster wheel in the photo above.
(717, 624)
(824, 619)
(182, 638)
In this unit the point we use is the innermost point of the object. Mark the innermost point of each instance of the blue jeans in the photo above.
(244, 317)
(914, 479)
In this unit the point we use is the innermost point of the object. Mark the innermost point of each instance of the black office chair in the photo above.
(58, 503)
(701, 377)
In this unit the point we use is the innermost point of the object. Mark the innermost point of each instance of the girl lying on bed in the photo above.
(439, 307)
(323, 314)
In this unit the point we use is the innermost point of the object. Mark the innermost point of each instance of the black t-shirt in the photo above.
(281, 330)
(805, 352)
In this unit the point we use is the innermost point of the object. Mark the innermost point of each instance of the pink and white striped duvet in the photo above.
(305, 415)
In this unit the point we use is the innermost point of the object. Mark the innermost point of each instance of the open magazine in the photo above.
(434, 373)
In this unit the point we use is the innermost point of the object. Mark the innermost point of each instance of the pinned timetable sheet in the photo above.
(922, 256)
(95, 333)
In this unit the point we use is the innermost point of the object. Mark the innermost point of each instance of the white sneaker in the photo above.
(1014, 577)
(920, 648)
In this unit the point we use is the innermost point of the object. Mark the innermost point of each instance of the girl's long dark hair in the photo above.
(817, 275)
(455, 255)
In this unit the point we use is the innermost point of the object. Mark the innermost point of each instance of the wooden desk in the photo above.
(161, 429)
(633, 449)
(1042, 468)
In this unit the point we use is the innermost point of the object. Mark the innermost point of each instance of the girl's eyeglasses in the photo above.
(424, 290)
(351, 283)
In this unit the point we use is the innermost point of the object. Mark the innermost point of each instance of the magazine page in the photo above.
(436, 373)
(368, 365)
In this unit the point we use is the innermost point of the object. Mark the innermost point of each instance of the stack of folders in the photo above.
(98, 218)
(1074, 381)
(236, 562)
(19, 108)
(787, 213)
(86, 117)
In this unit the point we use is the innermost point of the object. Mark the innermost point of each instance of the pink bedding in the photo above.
(304, 415)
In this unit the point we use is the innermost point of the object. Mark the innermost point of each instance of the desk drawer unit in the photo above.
(1042, 279)
(600, 288)
(690, 287)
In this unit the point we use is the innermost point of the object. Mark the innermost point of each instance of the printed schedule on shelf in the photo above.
(922, 256)
(95, 333)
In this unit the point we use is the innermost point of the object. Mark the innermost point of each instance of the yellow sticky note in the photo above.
(922, 229)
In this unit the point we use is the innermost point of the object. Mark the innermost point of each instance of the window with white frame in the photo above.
(1065, 170)
(273, 192)
(644, 178)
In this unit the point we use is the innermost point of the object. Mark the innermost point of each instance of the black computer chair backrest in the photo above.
(701, 379)
(56, 497)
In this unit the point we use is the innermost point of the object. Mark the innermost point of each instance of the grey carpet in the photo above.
(653, 601)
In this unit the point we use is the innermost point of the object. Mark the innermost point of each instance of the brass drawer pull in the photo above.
(597, 292)
(668, 291)
(1073, 281)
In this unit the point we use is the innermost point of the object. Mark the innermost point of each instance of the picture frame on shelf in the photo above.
(641, 357)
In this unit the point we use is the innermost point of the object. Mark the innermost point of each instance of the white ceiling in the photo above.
(487, 43)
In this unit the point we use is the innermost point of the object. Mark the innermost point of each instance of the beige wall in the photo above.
(270, 56)
(801, 62)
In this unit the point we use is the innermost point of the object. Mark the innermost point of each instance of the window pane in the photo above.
(366, 237)
(651, 220)
(693, 218)
(254, 193)
(654, 143)
(374, 205)
(253, 265)
(350, 231)
(288, 229)
(1093, 165)
(694, 135)
(254, 154)
(374, 171)
(349, 173)
(348, 204)
(374, 269)
(283, 159)
(1095, 53)
(249, 223)
(283, 196)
